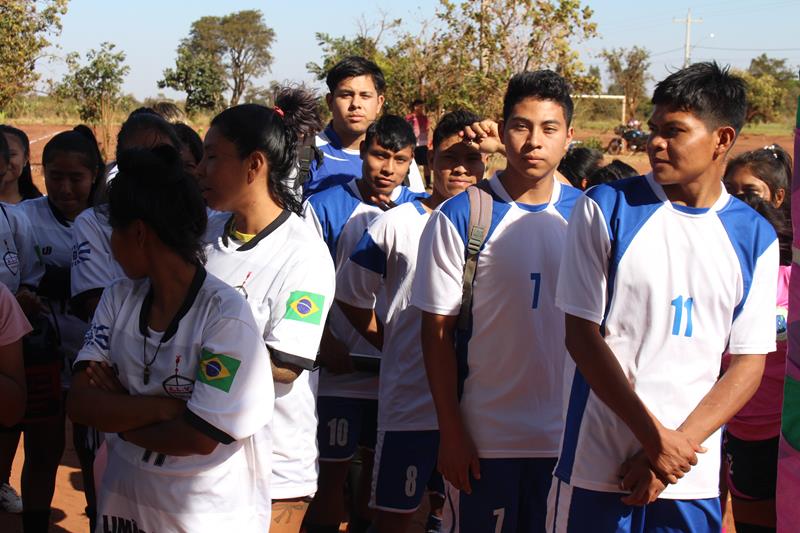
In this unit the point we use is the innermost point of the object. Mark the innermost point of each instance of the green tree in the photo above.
(198, 75)
(765, 97)
(24, 29)
(237, 46)
(96, 87)
(628, 70)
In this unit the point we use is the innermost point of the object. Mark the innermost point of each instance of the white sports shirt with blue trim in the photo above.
(93, 265)
(287, 278)
(340, 217)
(341, 165)
(512, 369)
(20, 265)
(386, 258)
(216, 361)
(671, 287)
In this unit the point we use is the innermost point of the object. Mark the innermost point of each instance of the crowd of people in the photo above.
(284, 326)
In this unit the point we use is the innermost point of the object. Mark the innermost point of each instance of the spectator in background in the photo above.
(419, 121)
(579, 162)
(616, 170)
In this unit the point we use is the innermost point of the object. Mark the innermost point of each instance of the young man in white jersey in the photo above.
(496, 381)
(355, 101)
(348, 392)
(385, 258)
(661, 273)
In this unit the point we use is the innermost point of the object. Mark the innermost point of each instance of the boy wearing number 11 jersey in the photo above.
(660, 274)
(497, 385)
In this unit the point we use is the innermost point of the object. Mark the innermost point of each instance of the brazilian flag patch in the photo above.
(217, 370)
(305, 307)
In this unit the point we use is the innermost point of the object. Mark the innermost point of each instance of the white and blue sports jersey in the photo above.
(340, 217)
(511, 362)
(287, 278)
(20, 265)
(386, 257)
(671, 286)
(341, 165)
(53, 234)
(93, 265)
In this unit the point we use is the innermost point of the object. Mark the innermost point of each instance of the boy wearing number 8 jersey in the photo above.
(498, 385)
(660, 274)
(385, 259)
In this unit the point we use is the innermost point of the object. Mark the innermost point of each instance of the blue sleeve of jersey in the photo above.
(333, 209)
(569, 196)
(369, 255)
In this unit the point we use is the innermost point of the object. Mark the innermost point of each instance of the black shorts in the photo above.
(752, 467)
(421, 155)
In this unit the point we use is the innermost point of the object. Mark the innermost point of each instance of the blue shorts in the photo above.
(510, 497)
(572, 509)
(344, 425)
(405, 463)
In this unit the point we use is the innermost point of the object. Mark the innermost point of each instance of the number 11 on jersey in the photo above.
(680, 304)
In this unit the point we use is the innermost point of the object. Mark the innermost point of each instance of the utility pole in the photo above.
(687, 47)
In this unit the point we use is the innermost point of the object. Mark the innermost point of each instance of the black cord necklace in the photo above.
(172, 328)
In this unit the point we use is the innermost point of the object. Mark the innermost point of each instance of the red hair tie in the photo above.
(279, 111)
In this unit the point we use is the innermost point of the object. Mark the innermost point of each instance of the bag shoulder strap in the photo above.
(480, 220)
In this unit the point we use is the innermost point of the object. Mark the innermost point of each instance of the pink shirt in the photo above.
(13, 324)
(760, 418)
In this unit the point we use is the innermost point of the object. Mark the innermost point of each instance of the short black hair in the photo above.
(579, 162)
(711, 92)
(451, 124)
(189, 138)
(539, 84)
(143, 120)
(354, 66)
(391, 132)
(153, 187)
(616, 170)
(416, 102)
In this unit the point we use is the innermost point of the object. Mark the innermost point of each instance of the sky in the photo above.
(148, 31)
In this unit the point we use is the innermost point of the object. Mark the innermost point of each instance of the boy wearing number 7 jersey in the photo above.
(660, 274)
(497, 384)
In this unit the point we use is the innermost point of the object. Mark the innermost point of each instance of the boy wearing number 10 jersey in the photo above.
(660, 273)
(498, 384)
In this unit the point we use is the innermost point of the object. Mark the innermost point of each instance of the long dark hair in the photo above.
(25, 183)
(275, 132)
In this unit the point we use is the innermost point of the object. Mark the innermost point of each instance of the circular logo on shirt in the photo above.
(179, 387)
(780, 323)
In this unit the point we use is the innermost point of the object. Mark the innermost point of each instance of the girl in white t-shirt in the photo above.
(173, 368)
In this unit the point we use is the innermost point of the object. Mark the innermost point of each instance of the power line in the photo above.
(749, 49)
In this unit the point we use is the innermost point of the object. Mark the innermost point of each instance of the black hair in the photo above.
(453, 123)
(189, 138)
(354, 66)
(579, 162)
(616, 170)
(416, 102)
(25, 182)
(776, 217)
(305, 119)
(539, 84)
(771, 164)
(153, 187)
(711, 92)
(168, 111)
(391, 132)
(145, 119)
(82, 141)
(253, 127)
(4, 153)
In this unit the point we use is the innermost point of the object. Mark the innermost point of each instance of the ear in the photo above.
(780, 196)
(381, 100)
(726, 136)
(257, 164)
(140, 232)
(329, 99)
(570, 136)
(431, 157)
(501, 129)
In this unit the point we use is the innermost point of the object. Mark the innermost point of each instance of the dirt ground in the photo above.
(68, 504)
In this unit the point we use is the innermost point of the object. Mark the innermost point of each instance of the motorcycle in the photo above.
(633, 138)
